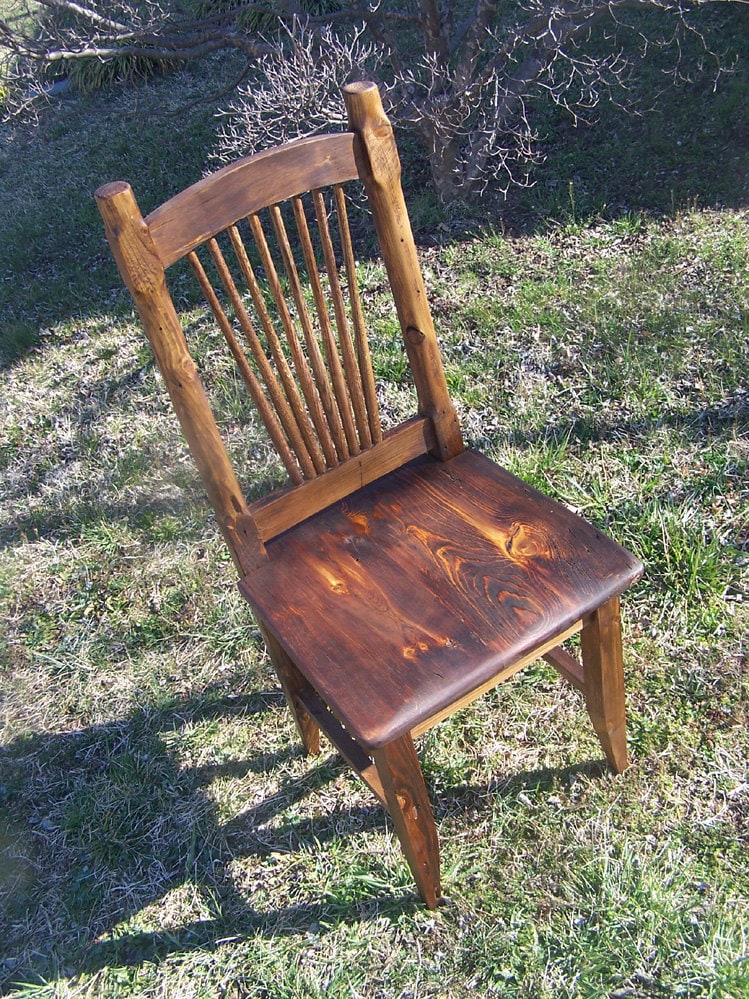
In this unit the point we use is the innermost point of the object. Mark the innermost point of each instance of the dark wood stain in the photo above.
(408, 594)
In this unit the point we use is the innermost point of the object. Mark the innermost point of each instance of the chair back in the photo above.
(268, 241)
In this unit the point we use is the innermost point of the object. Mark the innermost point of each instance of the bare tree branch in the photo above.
(464, 85)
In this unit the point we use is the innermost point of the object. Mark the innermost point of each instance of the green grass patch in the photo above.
(161, 833)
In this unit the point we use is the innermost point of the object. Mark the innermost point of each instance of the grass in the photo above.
(161, 834)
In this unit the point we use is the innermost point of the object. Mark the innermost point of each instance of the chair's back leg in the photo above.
(380, 171)
(601, 641)
(403, 783)
(292, 682)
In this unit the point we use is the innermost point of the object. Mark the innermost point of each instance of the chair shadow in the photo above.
(105, 884)
(108, 880)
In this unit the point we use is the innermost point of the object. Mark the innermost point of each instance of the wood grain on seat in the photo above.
(419, 588)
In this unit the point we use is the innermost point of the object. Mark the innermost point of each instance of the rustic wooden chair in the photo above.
(398, 576)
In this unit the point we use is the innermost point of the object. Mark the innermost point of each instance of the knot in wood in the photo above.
(525, 542)
(415, 336)
(359, 522)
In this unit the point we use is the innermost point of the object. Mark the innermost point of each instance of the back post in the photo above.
(143, 273)
(379, 168)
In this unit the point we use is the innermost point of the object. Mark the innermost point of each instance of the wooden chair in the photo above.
(398, 576)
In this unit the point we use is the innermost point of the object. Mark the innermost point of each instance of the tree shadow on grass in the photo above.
(99, 824)
(62, 518)
(704, 424)
(689, 147)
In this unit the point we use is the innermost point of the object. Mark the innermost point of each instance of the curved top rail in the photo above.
(244, 187)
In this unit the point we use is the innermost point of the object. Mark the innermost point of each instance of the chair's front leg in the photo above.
(292, 682)
(601, 641)
(406, 794)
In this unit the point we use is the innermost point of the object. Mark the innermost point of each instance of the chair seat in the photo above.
(419, 588)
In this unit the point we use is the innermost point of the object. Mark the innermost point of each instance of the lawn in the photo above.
(160, 832)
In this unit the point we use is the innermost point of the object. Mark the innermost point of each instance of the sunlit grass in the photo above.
(161, 833)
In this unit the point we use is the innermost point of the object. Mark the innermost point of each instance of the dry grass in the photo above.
(161, 833)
